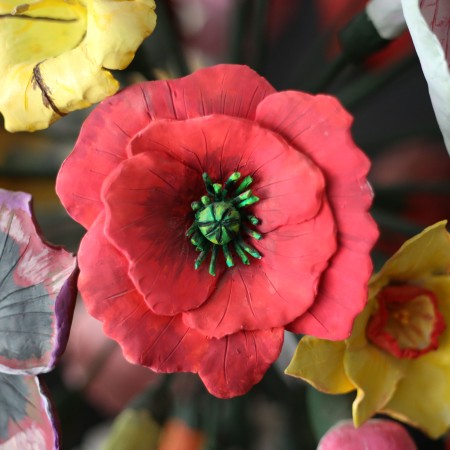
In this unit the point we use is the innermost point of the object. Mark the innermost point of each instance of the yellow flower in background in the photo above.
(398, 356)
(55, 55)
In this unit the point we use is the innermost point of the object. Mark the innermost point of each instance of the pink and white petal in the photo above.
(225, 89)
(428, 24)
(289, 185)
(26, 417)
(147, 205)
(161, 343)
(38, 291)
(234, 364)
(272, 291)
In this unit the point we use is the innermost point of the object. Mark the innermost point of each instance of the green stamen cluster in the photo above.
(220, 220)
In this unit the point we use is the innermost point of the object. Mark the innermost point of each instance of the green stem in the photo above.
(167, 27)
(212, 424)
(331, 72)
(239, 22)
(371, 83)
(259, 38)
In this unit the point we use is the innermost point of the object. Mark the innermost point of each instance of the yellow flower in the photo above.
(55, 54)
(398, 356)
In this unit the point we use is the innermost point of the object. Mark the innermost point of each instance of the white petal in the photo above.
(434, 64)
(387, 17)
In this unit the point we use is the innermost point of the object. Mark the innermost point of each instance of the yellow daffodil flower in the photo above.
(398, 355)
(55, 54)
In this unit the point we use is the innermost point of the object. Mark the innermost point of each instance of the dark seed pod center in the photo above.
(219, 222)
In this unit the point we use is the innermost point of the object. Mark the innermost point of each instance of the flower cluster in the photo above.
(400, 343)
(204, 172)
(221, 214)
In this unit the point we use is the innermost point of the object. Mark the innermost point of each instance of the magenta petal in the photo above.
(373, 435)
(37, 291)
(160, 342)
(318, 126)
(148, 211)
(235, 363)
(26, 418)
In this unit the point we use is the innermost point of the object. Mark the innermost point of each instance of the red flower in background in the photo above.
(271, 191)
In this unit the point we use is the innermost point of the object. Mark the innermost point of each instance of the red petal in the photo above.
(272, 291)
(234, 364)
(162, 343)
(319, 127)
(100, 148)
(230, 90)
(342, 295)
(147, 201)
(289, 185)
(224, 89)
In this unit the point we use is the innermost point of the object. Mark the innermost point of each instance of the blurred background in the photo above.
(294, 44)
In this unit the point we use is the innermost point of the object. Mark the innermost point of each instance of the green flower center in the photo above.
(220, 221)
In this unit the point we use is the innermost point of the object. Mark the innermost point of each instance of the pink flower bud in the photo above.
(373, 435)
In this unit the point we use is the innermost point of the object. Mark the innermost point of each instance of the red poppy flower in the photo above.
(218, 169)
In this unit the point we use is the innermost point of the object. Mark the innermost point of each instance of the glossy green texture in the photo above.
(219, 222)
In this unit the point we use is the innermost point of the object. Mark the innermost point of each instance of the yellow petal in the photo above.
(375, 374)
(320, 363)
(440, 285)
(420, 256)
(423, 398)
(116, 29)
(53, 54)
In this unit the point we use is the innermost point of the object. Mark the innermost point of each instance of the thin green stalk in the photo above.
(239, 24)
(331, 72)
(259, 35)
(212, 424)
(371, 83)
(166, 26)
